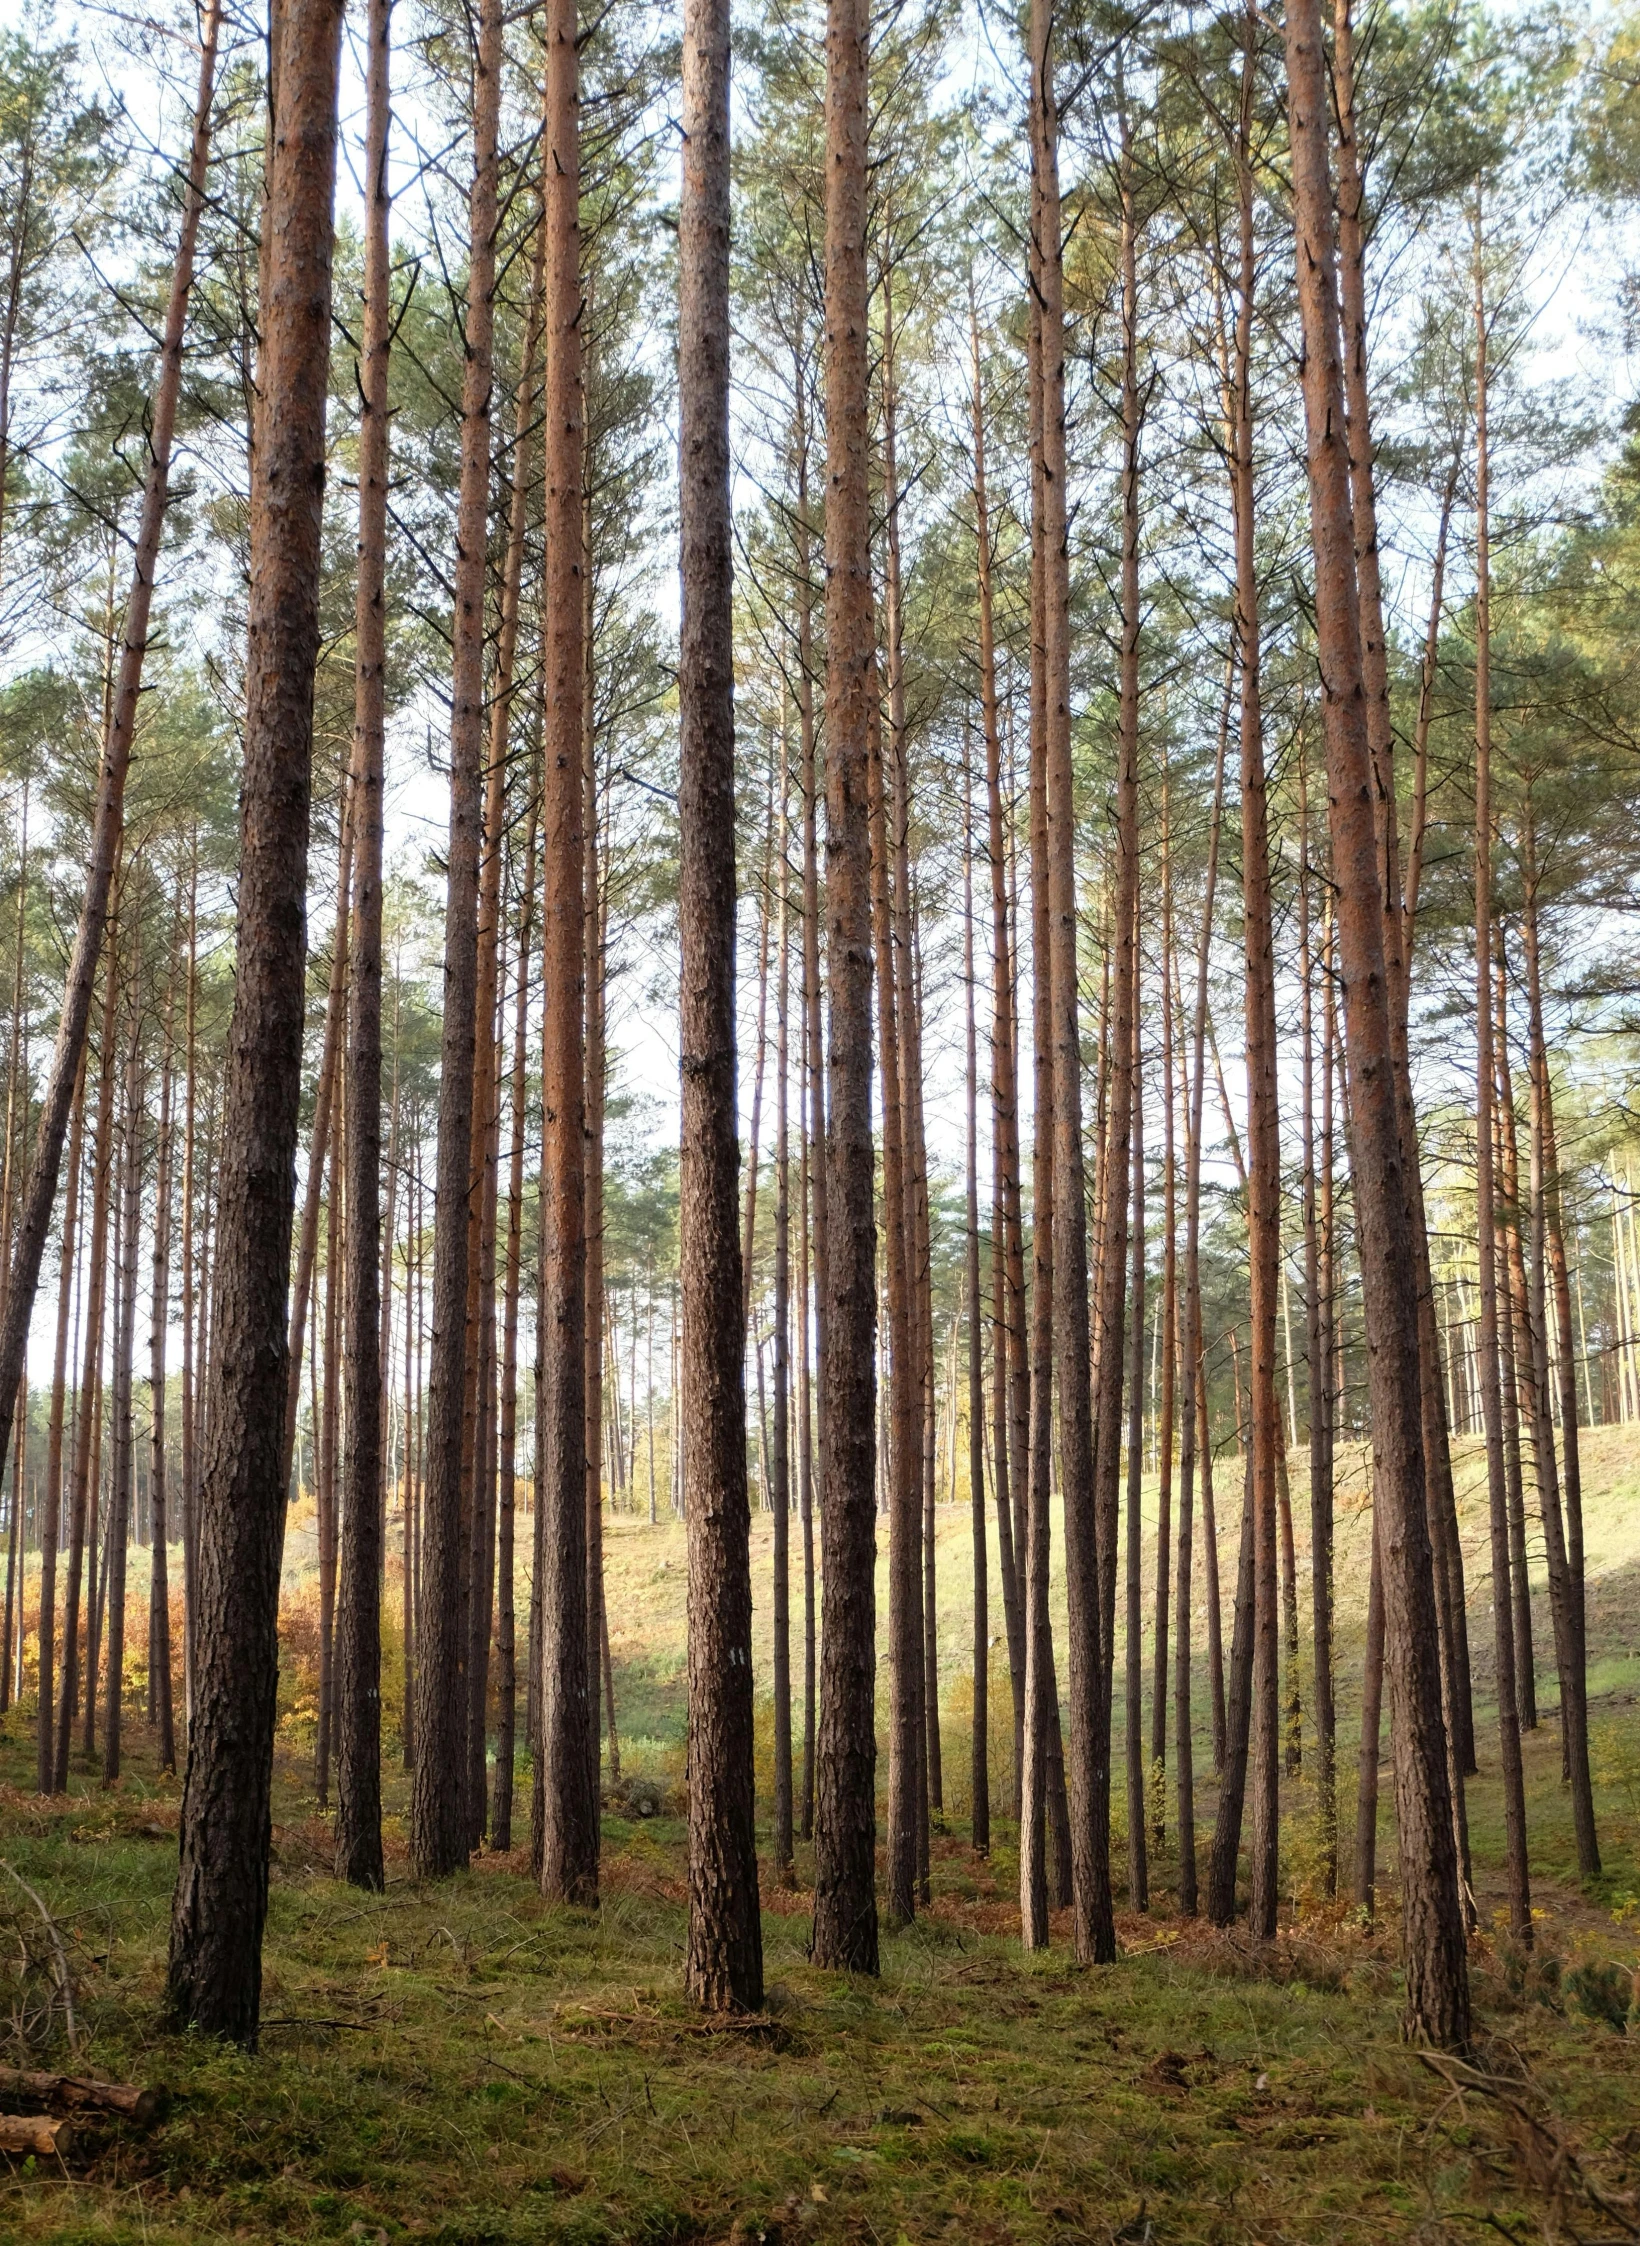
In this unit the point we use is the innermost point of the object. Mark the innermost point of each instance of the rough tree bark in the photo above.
(1514, 1788)
(1007, 1278)
(1089, 1487)
(1263, 1117)
(439, 1833)
(220, 1904)
(1437, 1989)
(567, 1760)
(845, 1903)
(358, 1650)
(980, 1758)
(159, 1590)
(724, 1964)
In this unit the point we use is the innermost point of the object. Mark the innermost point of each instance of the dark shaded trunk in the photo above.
(845, 1904)
(1221, 1870)
(440, 1810)
(1138, 1881)
(359, 1650)
(1563, 1532)
(980, 1752)
(82, 1555)
(159, 1597)
(780, 1448)
(506, 1731)
(1089, 1485)
(1007, 1272)
(1041, 1695)
(1514, 1790)
(1317, 1355)
(46, 1755)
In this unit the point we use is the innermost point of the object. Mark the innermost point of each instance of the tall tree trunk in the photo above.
(1372, 1700)
(40, 1193)
(567, 1758)
(46, 1756)
(1090, 1490)
(159, 1599)
(188, 1397)
(221, 1897)
(501, 1804)
(1263, 1118)
(478, 1447)
(304, 1292)
(327, 1441)
(910, 1718)
(904, 1478)
(980, 1753)
(1007, 1275)
(1317, 1352)
(1549, 1253)
(1041, 1697)
(1514, 1358)
(814, 1134)
(123, 1475)
(780, 1455)
(1437, 1993)
(1169, 1319)
(596, 1073)
(440, 1832)
(359, 1650)
(845, 1905)
(1441, 1502)
(82, 1557)
(1514, 1791)
(1138, 1878)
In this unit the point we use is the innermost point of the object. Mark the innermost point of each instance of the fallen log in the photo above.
(35, 2132)
(79, 2094)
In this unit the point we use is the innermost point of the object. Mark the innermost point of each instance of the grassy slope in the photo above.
(509, 2073)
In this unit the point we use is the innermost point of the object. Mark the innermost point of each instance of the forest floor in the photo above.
(459, 2063)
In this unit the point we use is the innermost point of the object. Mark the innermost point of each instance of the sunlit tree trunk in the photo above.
(1436, 1993)
(1442, 1509)
(220, 1904)
(566, 1761)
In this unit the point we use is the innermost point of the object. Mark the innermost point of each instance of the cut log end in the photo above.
(35, 2133)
